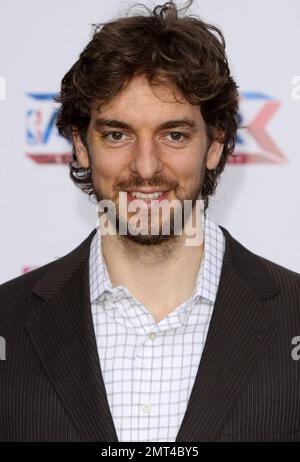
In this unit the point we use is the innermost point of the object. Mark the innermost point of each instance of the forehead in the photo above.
(140, 102)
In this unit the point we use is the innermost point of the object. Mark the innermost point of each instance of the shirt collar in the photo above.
(210, 269)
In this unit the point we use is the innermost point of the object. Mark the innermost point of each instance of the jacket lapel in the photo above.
(241, 329)
(61, 329)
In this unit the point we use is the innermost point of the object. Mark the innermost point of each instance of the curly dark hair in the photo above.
(162, 45)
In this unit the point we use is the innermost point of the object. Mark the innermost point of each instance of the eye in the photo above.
(115, 138)
(179, 136)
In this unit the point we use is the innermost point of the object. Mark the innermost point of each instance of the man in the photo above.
(139, 336)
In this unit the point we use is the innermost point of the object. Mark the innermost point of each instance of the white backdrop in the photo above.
(43, 215)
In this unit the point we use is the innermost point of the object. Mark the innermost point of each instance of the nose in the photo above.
(146, 160)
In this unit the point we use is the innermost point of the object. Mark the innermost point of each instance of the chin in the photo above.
(146, 240)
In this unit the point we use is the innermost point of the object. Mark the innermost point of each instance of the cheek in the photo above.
(106, 165)
(188, 168)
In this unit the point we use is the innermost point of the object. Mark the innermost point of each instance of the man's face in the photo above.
(145, 142)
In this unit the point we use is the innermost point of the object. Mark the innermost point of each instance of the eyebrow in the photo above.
(174, 123)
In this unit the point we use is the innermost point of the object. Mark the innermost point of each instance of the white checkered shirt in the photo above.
(149, 368)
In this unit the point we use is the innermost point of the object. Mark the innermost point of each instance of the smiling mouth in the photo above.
(147, 196)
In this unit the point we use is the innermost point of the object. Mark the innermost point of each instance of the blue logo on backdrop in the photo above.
(44, 144)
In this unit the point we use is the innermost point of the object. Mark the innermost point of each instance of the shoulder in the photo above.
(15, 294)
(287, 279)
(21, 284)
(257, 268)
(16, 298)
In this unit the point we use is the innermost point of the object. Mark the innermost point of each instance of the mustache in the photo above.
(157, 182)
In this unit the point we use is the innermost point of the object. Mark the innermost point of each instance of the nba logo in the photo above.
(44, 144)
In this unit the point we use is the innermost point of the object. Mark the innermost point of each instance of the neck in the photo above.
(160, 276)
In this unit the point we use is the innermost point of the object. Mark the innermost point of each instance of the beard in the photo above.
(121, 219)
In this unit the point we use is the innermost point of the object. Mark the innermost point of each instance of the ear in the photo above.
(214, 154)
(80, 150)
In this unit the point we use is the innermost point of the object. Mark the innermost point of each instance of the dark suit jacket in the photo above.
(247, 386)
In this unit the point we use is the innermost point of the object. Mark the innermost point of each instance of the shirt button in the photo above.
(152, 336)
(146, 408)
